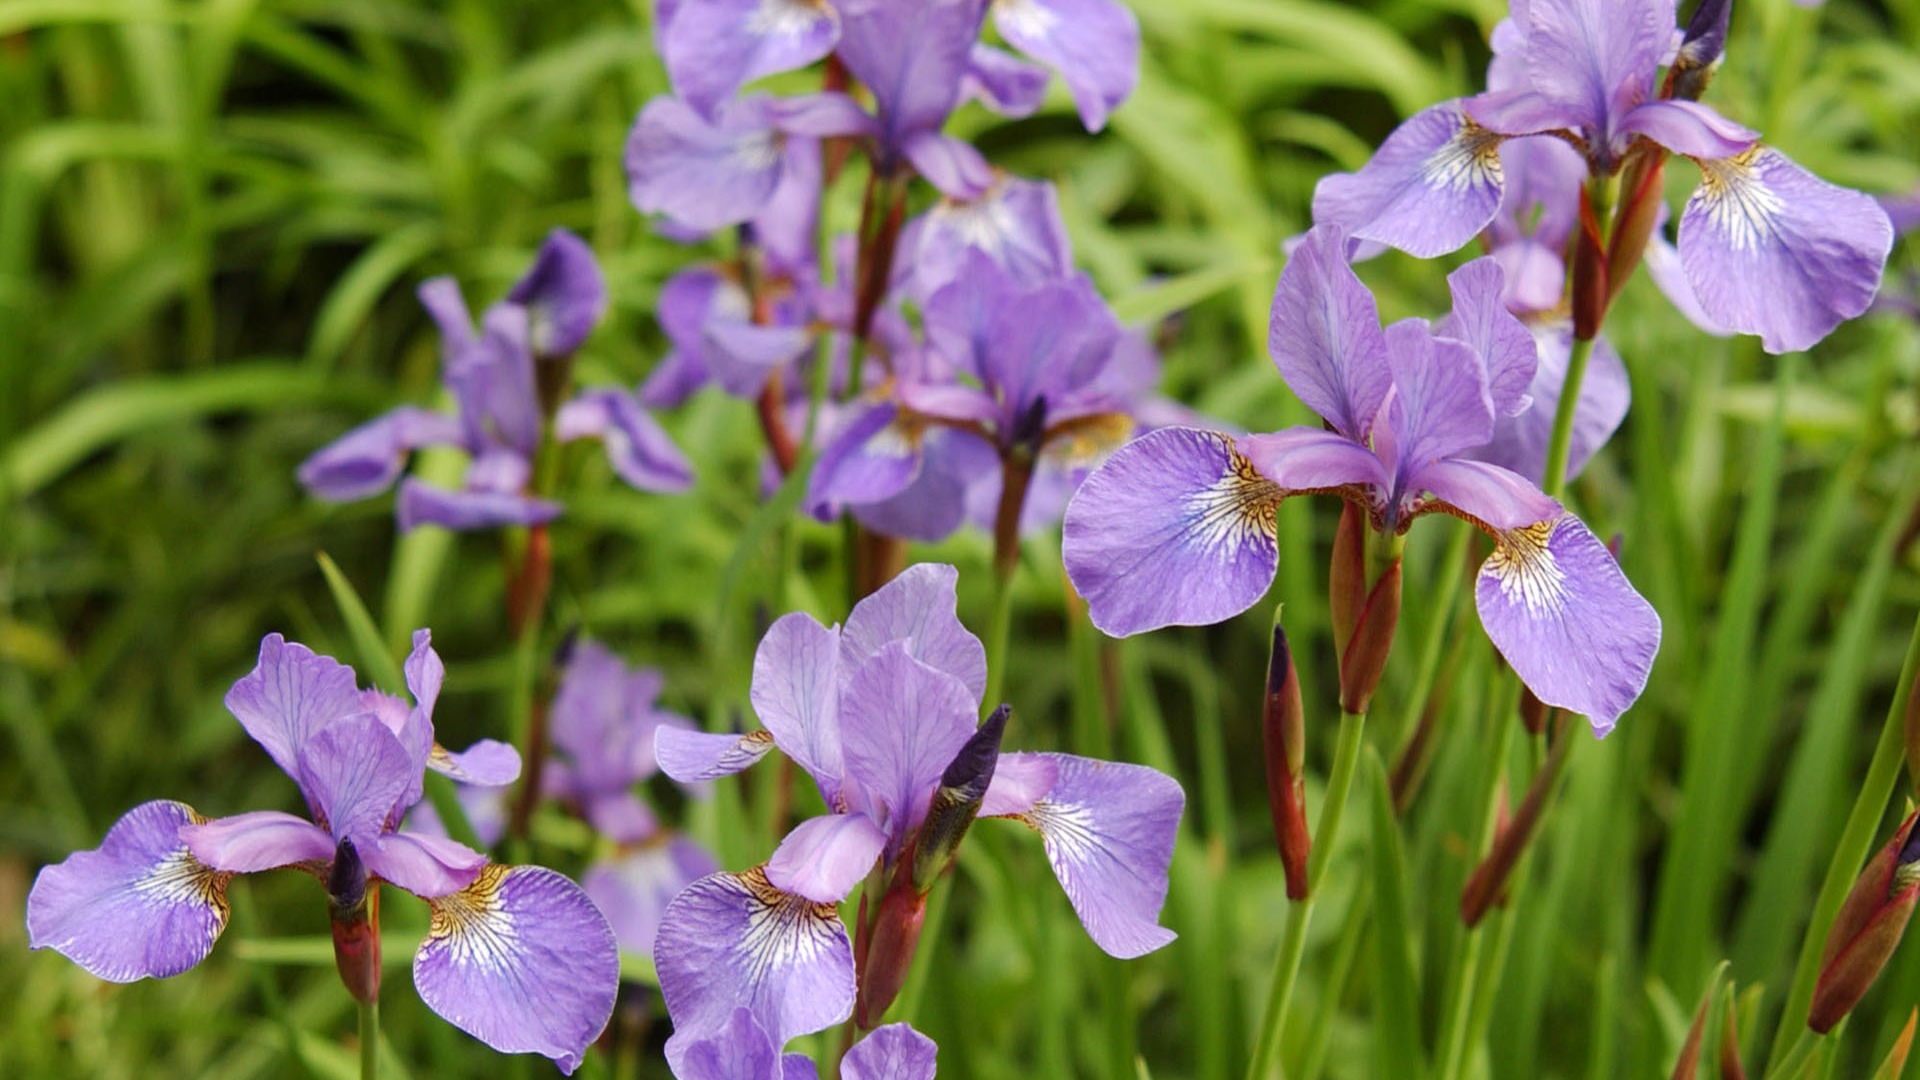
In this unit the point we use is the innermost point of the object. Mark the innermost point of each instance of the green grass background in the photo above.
(212, 217)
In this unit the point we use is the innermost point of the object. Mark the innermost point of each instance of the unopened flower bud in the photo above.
(1701, 50)
(1365, 657)
(1283, 731)
(895, 938)
(955, 802)
(1590, 293)
(1867, 928)
(353, 908)
(1643, 183)
(1533, 712)
(1347, 576)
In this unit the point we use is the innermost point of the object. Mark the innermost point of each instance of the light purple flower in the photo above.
(1093, 44)
(1769, 248)
(875, 712)
(491, 375)
(713, 47)
(516, 956)
(914, 56)
(1178, 527)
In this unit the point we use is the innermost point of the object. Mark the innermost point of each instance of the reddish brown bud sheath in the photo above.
(1489, 880)
(955, 802)
(353, 906)
(1283, 732)
(1643, 183)
(1589, 275)
(1533, 712)
(1730, 1067)
(1867, 928)
(1913, 734)
(1347, 576)
(1365, 656)
(895, 938)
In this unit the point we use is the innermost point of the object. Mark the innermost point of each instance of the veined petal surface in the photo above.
(890, 1052)
(919, 607)
(1431, 187)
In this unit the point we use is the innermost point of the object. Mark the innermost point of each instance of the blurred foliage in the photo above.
(213, 214)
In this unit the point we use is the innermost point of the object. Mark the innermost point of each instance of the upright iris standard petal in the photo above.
(739, 1050)
(714, 47)
(1595, 59)
(634, 888)
(691, 756)
(1093, 44)
(733, 940)
(891, 1052)
(138, 906)
(1016, 224)
(901, 722)
(522, 961)
(1325, 336)
(1480, 319)
(823, 858)
(796, 694)
(703, 173)
(912, 54)
(1519, 443)
(290, 694)
(1440, 406)
(918, 607)
(1773, 250)
(563, 293)
(354, 773)
(1109, 830)
(1431, 187)
(1556, 605)
(368, 459)
(641, 452)
(1176, 528)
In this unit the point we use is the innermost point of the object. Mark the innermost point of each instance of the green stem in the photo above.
(370, 1039)
(1848, 855)
(1796, 1060)
(1560, 444)
(1346, 759)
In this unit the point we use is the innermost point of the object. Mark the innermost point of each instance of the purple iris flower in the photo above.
(516, 955)
(494, 379)
(1768, 248)
(875, 711)
(714, 47)
(603, 720)
(1178, 526)
(742, 1050)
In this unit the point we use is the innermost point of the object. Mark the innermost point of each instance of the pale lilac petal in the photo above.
(739, 1050)
(1519, 113)
(688, 756)
(796, 695)
(872, 458)
(634, 888)
(935, 504)
(1481, 319)
(901, 722)
(499, 470)
(821, 116)
(641, 452)
(951, 165)
(918, 607)
(1663, 264)
(368, 459)
(1536, 276)
(1431, 187)
(425, 865)
(733, 940)
(1690, 128)
(674, 379)
(1325, 336)
(912, 54)
(485, 809)
(1566, 619)
(891, 1052)
(743, 355)
(1019, 781)
(823, 858)
(1300, 460)
(620, 816)
(494, 382)
(138, 906)
(487, 763)
(714, 47)
(703, 174)
(1488, 494)
(1519, 442)
(564, 295)
(354, 773)
(1440, 405)
(1175, 528)
(1109, 830)
(1596, 58)
(522, 961)
(958, 402)
(1016, 223)
(786, 226)
(1003, 82)
(1776, 251)
(448, 309)
(1541, 198)
(259, 840)
(290, 694)
(424, 504)
(1094, 44)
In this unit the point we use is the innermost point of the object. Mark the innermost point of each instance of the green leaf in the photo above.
(375, 660)
(1396, 1016)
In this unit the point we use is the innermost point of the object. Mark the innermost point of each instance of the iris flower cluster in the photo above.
(881, 714)
(517, 956)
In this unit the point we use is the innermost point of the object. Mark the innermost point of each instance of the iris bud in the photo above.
(955, 802)
(1283, 731)
(1867, 928)
(896, 936)
(353, 907)
(1701, 50)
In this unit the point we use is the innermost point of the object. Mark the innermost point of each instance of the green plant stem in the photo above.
(1796, 1060)
(1848, 855)
(1560, 444)
(1346, 759)
(369, 1039)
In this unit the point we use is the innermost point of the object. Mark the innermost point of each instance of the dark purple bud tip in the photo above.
(346, 881)
(1031, 426)
(1701, 49)
(955, 802)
